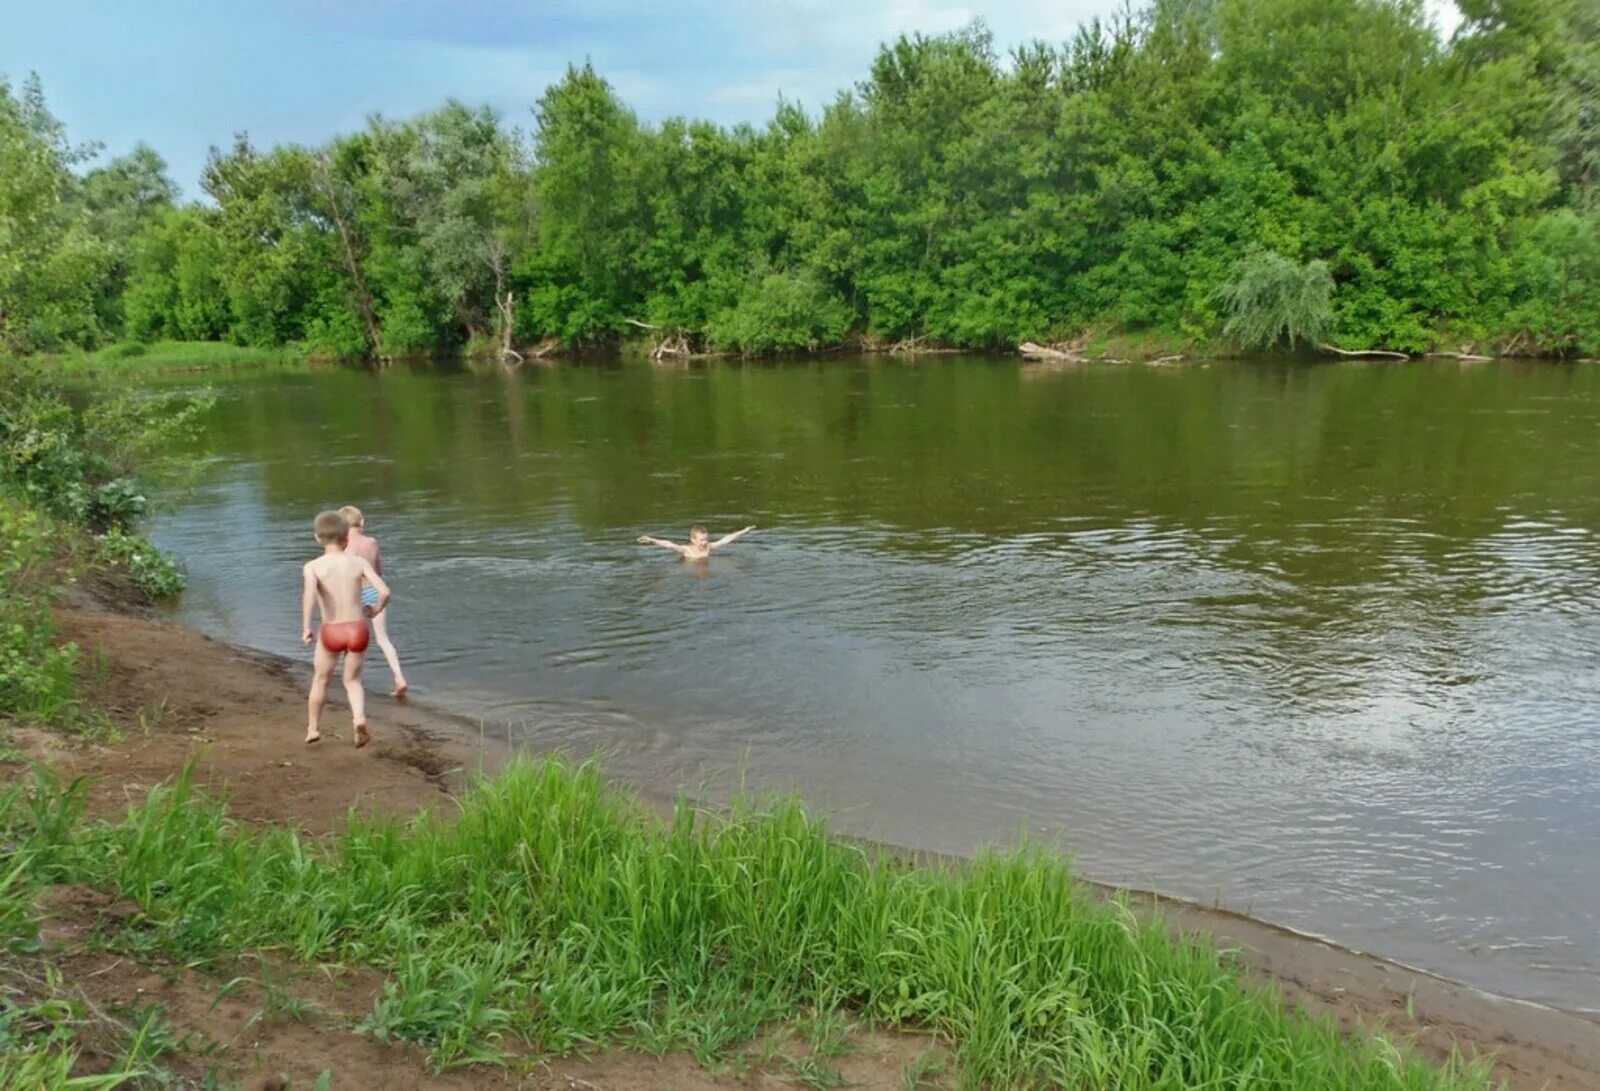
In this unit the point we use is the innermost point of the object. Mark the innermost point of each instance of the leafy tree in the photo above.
(1271, 300)
(51, 264)
(1267, 169)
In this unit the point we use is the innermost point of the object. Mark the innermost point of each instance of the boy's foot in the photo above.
(400, 690)
(363, 736)
(313, 736)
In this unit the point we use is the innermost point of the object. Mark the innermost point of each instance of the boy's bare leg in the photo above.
(380, 630)
(322, 673)
(354, 690)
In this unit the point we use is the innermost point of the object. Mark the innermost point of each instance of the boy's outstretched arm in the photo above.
(308, 599)
(726, 539)
(370, 574)
(663, 543)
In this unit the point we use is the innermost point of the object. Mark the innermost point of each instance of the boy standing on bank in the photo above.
(366, 547)
(333, 582)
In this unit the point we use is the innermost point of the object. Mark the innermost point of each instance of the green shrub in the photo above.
(148, 570)
(1270, 299)
(79, 464)
(36, 676)
(782, 312)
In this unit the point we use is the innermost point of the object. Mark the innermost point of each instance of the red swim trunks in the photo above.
(345, 636)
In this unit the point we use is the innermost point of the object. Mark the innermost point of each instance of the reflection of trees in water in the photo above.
(1288, 454)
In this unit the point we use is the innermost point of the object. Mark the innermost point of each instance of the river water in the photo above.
(1320, 643)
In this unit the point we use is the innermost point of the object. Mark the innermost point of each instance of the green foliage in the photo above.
(952, 194)
(147, 570)
(555, 911)
(782, 312)
(1559, 261)
(36, 675)
(154, 356)
(1270, 300)
(78, 464)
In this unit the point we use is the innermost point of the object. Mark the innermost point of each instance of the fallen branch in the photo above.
(1464, 357)
(915, 346)
(1032, 351)
(1379, 353)
(1162, 360)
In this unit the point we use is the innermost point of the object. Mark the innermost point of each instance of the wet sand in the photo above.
(240, 715)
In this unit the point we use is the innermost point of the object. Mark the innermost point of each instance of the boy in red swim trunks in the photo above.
(333, 581)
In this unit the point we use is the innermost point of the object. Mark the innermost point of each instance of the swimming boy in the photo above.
(700, 543)
(334, 581)
(365, 546)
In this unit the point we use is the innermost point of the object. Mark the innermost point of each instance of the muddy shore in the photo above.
(239, 714)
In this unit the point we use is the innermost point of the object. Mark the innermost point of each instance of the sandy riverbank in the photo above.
(240, 714)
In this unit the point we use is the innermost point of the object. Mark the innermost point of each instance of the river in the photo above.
(1317, 642)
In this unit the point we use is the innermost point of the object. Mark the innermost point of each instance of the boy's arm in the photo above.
(663, 543)
(308, 599)
(377, 557)
(371, 576)
(726, 539)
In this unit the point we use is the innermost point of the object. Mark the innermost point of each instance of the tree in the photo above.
(51, 264)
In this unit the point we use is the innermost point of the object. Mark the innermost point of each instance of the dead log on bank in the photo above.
(672, 345)
(917, 346)
(1464, 357)
(1031, 350)
(1383, 354)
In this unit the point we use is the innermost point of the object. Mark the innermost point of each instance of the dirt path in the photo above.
(240, 715)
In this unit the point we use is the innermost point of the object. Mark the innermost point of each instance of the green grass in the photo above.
(39, 1017)
(553, 913)
(133, 356)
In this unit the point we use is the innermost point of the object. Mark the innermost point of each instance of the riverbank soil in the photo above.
(178, 696)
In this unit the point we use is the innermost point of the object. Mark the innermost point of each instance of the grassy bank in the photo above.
(134, 356)
(555, 913)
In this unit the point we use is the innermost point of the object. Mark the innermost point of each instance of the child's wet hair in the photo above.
(353, 516)
(699, 530)
(331, 526)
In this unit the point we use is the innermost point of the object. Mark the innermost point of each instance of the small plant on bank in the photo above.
(148, 570)
(1271, 300)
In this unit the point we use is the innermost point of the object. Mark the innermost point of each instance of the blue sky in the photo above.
(185, 74)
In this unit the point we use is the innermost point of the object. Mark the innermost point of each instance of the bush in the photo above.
(782, 312)
(36, 676)
(1559, 262)
(148, 570)
(1270, 299)
(79, 465)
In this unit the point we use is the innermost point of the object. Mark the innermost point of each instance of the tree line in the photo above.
(1268, 170)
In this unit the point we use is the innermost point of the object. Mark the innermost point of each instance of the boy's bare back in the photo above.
(338, 578)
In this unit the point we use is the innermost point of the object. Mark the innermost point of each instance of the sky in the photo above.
(182, 75)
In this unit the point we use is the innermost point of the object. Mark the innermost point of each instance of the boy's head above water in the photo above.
(698, 534)
(331, 527)
(352, 515)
